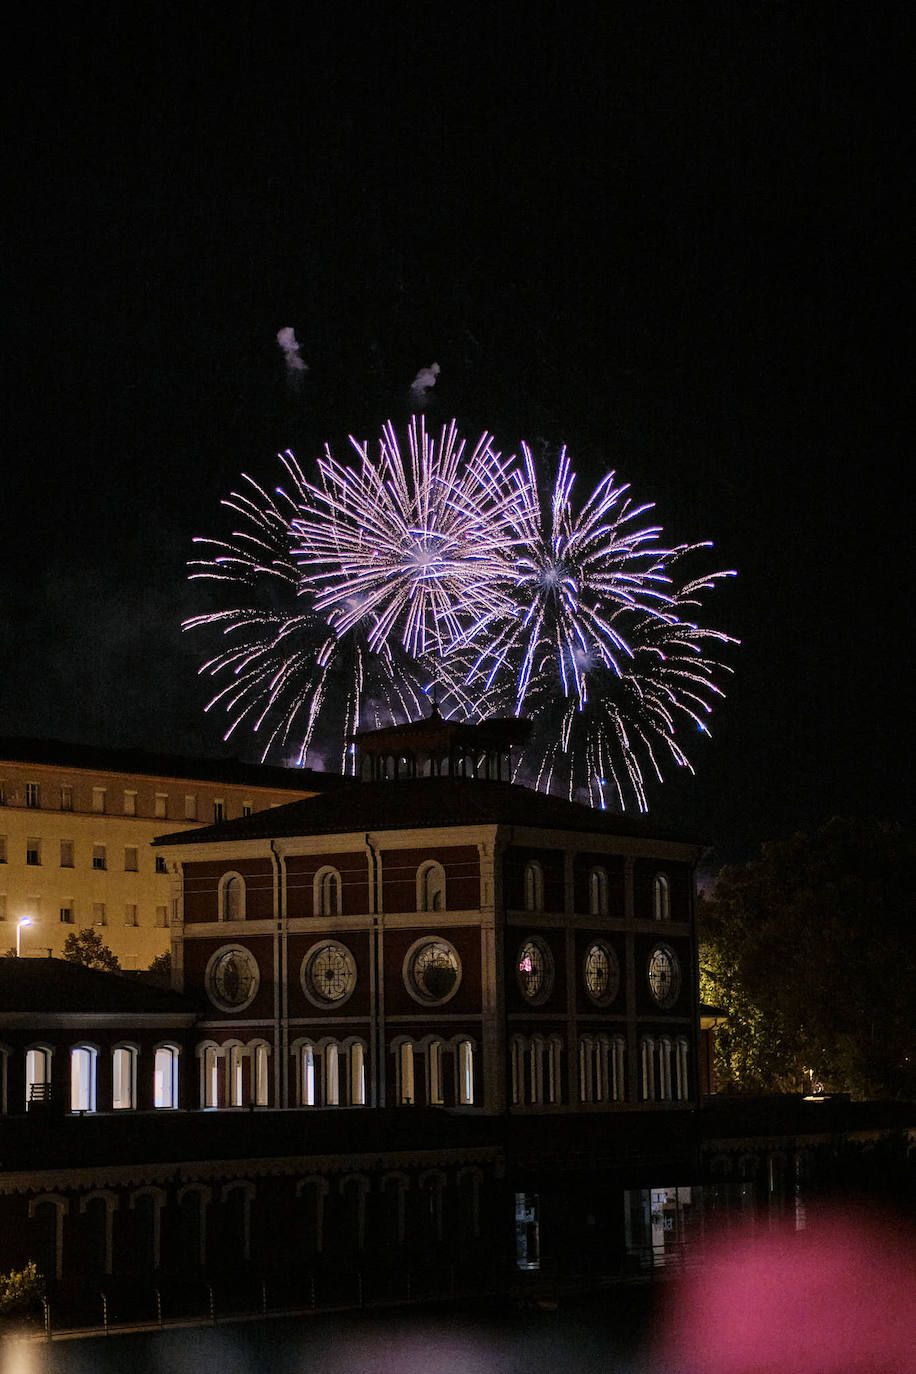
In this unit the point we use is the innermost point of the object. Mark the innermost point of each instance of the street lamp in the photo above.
(26, 921)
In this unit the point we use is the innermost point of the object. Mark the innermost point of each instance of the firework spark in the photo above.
(414, 548)
(446, 567)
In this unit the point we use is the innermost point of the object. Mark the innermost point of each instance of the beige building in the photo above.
(76, 823)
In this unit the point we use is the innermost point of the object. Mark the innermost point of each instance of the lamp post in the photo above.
(26, 921)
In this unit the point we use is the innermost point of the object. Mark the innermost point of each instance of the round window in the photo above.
(328, 973)
(664, 976)
(432, 971)
(232, 978)
(602, 973)
(534, 970)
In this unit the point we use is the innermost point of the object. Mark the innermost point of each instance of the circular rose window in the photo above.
(232, 978)
(534, 970)
(664, 976)
(432, 971)
(328, 973)
(602, 973)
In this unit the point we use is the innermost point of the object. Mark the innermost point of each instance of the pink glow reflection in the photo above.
(838, 1299)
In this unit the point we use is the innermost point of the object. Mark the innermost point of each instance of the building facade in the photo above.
(76, 826)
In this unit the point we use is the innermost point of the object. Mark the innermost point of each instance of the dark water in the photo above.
(607, 1333)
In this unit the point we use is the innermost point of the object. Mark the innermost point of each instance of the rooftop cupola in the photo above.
(436, 747)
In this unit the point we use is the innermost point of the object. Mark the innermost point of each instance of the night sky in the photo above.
(671, 237)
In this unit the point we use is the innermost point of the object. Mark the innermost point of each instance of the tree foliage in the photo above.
(86, 947)
(21, 1290)
(159, 972)
(811, 951)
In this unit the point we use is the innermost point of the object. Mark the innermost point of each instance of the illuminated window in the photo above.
(123, 1078)
(260, 1066)
(307, 1085)
(534, 887)
(165, 1077)
(465, 1073)
(209, 1083)
(661, 898)
(331, 1076)
(358, 1074)
(406, 1094)
(234, 1069)
(326, 892)
(38, 1074)
(82, 1078)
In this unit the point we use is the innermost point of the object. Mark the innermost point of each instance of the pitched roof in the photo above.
(57, 985)
(65, 754)
(422, 803)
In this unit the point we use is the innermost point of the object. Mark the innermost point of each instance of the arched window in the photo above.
(308, 1088)
(405, 1087)
(357, 1074)
(365, 768)
(536, 1070)
(618, 1071)
(235, 1075)
(83, 1078)
(165, 1077)
(209, 1077)
(326, 893)
(436, 1096)
(661, 896)
(597, 892)
(682, 1087)
(517, 1051)
(232, 897)
(260, 1065)
(554, 1069)
(647, 1066)
(123, 1077)
(465, 1073)
(534, 887)
(38, 1074)
(405, 766)
(331, 1076)
(431, 887)
(586, 1069)
(664, 1069)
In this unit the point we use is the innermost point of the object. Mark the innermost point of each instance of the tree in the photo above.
(86, 947)
(159, 972)
(811, 951)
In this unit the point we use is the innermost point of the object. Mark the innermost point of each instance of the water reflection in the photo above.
(584, 1336)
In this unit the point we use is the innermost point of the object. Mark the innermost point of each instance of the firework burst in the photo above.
(446, 567)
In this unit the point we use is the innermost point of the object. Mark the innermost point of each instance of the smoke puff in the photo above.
(424, 379)
(286, 338)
